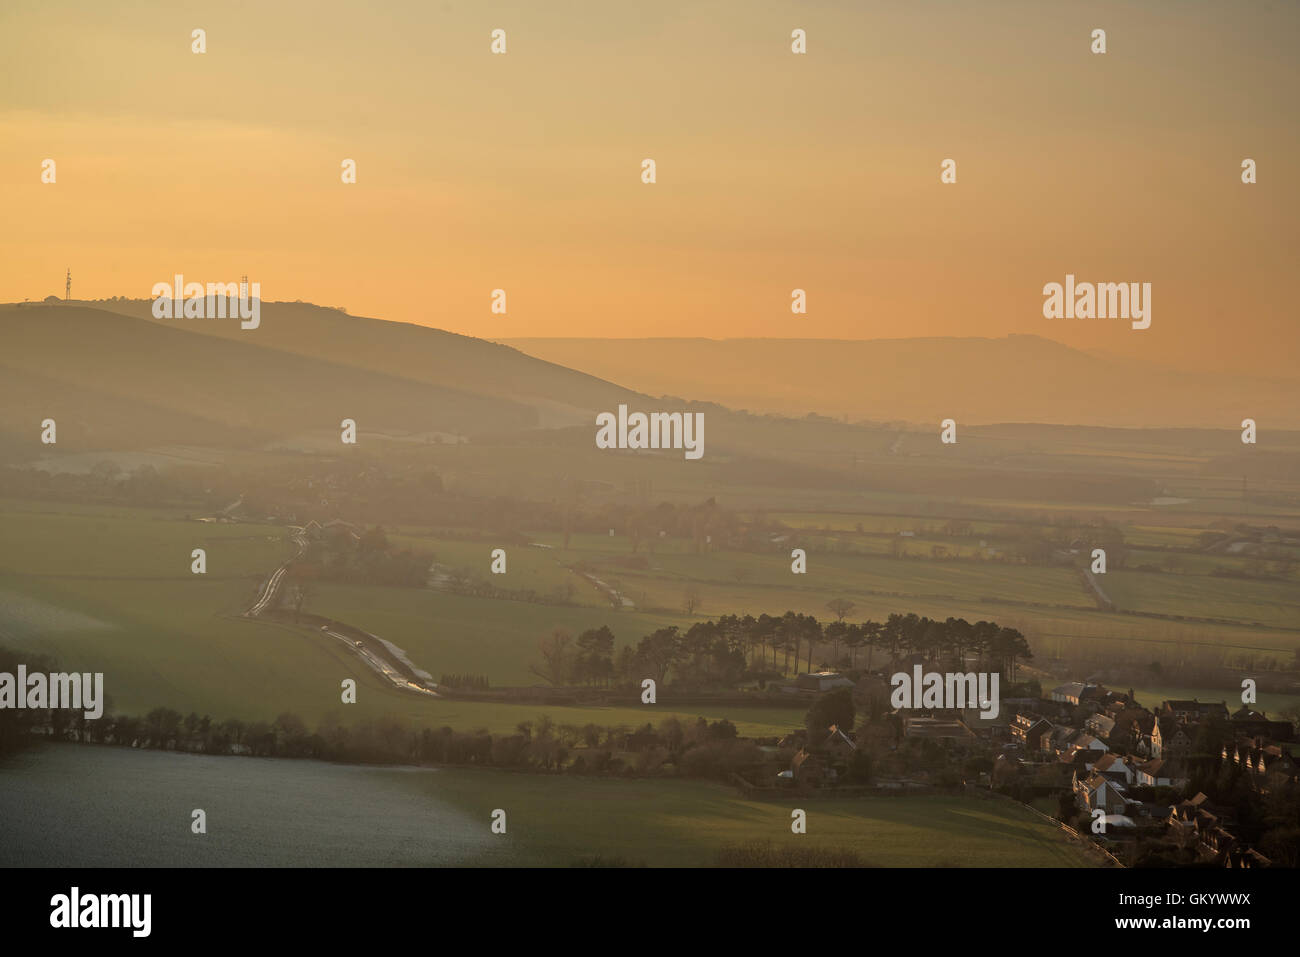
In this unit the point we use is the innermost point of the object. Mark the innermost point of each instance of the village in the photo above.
(1183, 783)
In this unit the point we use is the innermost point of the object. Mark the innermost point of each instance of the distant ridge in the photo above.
(1017, 378)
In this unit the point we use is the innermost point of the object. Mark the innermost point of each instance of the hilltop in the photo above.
(114, 379)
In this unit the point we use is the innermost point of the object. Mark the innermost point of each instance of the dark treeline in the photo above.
(17, 724)
(698, 749)
(473, 682)
(463, 581)
(368, 491)
(732, 648)
(693, 749)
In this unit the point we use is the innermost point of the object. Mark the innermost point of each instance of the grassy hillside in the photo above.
(418, 353)
(684, 823)
(90, 361)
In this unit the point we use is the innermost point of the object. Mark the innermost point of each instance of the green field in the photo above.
(445, 633)
(528, 567)
(167, 645)
(110, 589)
(673, 823)
(1271, 703)
(1274, 603)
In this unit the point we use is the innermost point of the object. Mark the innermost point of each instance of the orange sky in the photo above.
(776, 171)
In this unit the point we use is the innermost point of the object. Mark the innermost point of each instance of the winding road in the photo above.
(401, 675)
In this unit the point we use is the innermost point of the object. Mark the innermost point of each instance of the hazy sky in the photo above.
(775, 171)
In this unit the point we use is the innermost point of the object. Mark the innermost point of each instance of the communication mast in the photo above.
(67, 286)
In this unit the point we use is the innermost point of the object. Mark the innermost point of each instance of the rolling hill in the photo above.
(560, 396)
(117, 381)
(113, 380)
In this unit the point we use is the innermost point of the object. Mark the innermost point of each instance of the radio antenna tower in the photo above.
(67, 286)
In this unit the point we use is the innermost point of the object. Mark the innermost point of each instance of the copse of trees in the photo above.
(368, 559)
(727, 650)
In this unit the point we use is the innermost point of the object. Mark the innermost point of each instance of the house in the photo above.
(1280, 769)
(1269, 764)
(1059, 739)
(1161, 773)
(1030, 729)
(1183, 815)
(1195, 817)
(1115, 768)
(1183, 711)
(1081, 759)
(809, 770)
(1083, 740)
(995, 728)
(1115, 701)
(937, 729)
(837, 742)
(1129, 724)
(1076, 693)
(822, 681)
(1097, 791)
(1149, 740)
(1177, 742)
(1100, 724)
(1072, 692)
(1238, 857)
(1213, 711)
(1249, 721)
(1214, 843)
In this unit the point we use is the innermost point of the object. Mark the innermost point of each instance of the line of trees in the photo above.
(472, 682)
(694, 749)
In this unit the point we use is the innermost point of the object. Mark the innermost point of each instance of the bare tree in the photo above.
(556, 659)
(840, 607)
